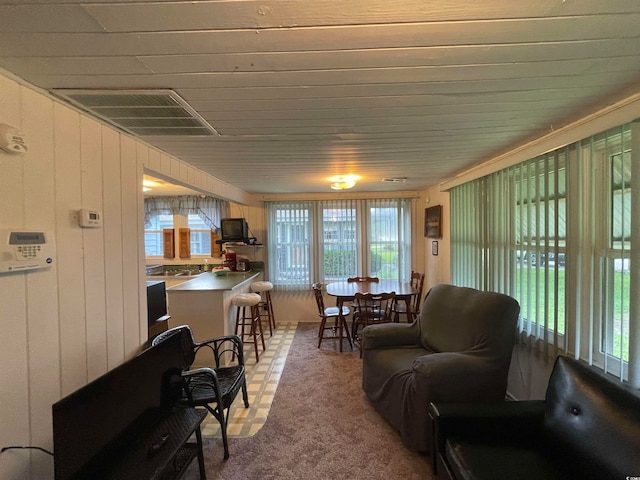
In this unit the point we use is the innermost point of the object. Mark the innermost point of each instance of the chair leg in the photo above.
(218, 413)
(260, 328)
(265, 304)
(201, 468)
(323, 322)
(245, 395)
(255, 322)
(272, 317)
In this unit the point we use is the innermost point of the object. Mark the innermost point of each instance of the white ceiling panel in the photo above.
(300, 91)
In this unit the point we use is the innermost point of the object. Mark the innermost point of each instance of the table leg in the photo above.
(342, 323)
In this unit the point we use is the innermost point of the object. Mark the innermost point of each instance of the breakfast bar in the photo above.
(204, 303)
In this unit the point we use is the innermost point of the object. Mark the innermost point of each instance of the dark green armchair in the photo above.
(459, 349)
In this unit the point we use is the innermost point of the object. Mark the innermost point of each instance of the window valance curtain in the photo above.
(209, 209)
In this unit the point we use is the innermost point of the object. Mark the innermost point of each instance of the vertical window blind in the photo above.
(555, 233)
(331, 240)
(339, 226)
(291, 227)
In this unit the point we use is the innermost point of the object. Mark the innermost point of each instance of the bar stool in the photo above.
(264, 288)
(248, 315)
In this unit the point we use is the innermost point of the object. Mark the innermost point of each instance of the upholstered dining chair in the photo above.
(214, 388)
(458, 350)
(410, 306)
(326, 313)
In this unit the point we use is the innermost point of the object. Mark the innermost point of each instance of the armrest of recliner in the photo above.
(386, 335)
(458, 377)
(506, 421)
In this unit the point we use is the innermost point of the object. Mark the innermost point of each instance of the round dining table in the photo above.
(346, 291)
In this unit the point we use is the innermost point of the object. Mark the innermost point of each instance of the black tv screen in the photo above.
(233, 229)
(108, 415)
(156, 301)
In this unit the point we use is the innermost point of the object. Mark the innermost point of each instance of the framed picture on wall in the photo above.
(433, 222)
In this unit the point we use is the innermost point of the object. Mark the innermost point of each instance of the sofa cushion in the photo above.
(592, 422)
(481, 460)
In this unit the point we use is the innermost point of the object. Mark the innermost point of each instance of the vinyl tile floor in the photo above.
(262, 382)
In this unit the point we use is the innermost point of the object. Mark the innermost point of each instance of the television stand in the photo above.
(164, 452)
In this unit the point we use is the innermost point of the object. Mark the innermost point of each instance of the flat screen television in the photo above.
(156, 301)
(233, 229)
(107, 417)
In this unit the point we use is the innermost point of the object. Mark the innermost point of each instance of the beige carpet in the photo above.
(320, 426)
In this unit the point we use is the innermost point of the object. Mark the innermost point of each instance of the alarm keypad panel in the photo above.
(22, 250)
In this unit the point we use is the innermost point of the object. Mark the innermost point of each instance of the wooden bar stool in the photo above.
(264, 288)
(248, 315)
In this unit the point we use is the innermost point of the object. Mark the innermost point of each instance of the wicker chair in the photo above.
(213, 388)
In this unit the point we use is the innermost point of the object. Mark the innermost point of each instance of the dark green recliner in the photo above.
(458, 350)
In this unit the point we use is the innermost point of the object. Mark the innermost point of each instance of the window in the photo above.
(340, 249)
(200, 235)
(153, 245)
(555, 233)
(388, 241)
(354, 237)
(540, 242)
(290, 222)
(615, 154)
(201, 214)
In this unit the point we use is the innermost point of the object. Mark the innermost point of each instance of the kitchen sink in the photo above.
(188, 273)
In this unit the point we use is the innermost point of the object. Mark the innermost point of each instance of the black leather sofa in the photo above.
(587, 428)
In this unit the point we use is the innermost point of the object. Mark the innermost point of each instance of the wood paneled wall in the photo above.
(64, 326)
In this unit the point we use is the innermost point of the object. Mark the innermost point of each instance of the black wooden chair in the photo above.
(214, 388)
(372, 308)
(326, 313)
(410, 306)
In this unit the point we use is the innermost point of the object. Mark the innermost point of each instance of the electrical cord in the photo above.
(12, 447)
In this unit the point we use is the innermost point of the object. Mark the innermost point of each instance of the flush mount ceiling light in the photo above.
(343, 182)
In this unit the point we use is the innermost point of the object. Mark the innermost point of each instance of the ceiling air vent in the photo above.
(395, 179)
(141, 112)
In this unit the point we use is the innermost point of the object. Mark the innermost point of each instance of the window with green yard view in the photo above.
(335, 239)
(555, 233)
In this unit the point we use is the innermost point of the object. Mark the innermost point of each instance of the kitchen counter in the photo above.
(209, 281)
(204, 303)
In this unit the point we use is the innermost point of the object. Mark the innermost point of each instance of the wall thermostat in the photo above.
(12, 140)
(89, 218)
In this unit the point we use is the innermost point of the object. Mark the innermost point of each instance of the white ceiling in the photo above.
(303, 90)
